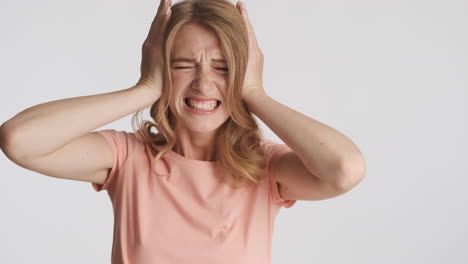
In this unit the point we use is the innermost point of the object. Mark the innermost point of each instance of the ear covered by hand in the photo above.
(253, 81)
(151, 69)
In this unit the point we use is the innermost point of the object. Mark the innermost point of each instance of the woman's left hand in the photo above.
(253, 81)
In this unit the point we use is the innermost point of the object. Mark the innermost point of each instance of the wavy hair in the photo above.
(239, 156)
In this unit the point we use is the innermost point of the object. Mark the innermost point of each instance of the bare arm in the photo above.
(45, 128)
(54, 138)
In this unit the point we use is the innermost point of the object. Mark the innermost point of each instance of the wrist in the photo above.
(149, 94)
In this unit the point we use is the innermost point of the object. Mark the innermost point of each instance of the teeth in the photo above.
(207, 105)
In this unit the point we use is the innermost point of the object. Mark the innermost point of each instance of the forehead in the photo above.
(194, 39)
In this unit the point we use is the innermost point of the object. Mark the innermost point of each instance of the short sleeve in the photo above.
(118, 142)
(272, 153)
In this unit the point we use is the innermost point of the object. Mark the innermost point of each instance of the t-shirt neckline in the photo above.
(176, 156)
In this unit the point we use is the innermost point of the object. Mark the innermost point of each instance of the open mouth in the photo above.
(202, 106)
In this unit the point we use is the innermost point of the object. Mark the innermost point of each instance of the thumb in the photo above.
(241, 5)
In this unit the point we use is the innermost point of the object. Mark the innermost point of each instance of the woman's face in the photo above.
(198, 73)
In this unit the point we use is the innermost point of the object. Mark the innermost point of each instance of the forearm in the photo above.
(46, 127)
(322, 149)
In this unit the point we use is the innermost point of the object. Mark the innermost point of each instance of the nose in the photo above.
(203, 81)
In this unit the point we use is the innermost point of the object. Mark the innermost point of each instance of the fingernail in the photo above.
(168, 11)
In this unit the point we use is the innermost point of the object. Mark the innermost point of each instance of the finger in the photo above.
(248, 23)
(161, 18)
(161, 14)
(244, 14)
(163, 4)
(167, 15)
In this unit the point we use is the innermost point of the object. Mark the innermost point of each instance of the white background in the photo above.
(391, 75)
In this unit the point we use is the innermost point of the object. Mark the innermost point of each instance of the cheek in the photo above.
(179, 84)
(177, 87)
(223, 87)
(178, 79)
(222, 83)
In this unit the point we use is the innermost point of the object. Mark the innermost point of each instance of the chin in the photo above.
(203, 128)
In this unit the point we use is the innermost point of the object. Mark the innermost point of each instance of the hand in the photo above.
(253, 82)
(152, 54)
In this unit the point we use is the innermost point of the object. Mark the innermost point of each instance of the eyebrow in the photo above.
(194, 60)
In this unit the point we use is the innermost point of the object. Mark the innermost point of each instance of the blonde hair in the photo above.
(239, 157)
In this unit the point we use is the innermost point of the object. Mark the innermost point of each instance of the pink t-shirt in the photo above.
(190, 216)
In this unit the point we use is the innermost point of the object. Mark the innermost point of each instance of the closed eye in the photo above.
(186, 67)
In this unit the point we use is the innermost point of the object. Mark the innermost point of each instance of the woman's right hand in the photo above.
(152, 54)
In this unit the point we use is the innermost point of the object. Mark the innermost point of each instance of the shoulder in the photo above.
(267, 145)
(272, 148)
(122, 140)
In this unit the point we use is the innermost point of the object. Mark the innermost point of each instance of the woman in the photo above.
(207, 187)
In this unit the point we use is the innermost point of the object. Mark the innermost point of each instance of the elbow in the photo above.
(352, 172)
(4, 137)
(6, 142)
